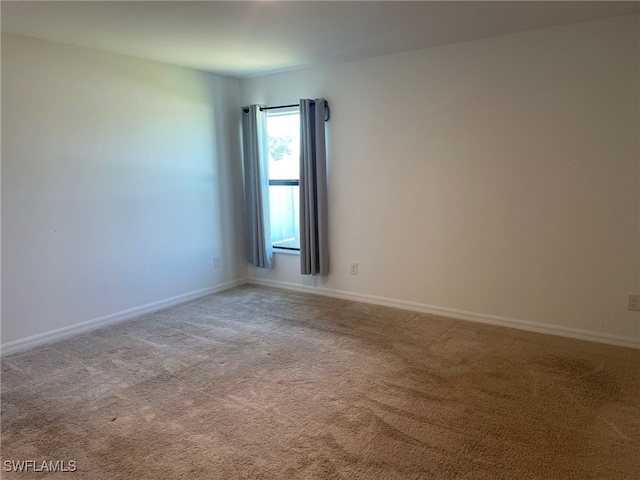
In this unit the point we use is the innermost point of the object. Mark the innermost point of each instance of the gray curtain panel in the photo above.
(256, 187)
(314, 235)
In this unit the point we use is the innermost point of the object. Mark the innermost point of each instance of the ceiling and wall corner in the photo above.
(243, 39)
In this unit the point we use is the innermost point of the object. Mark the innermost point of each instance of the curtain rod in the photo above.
(326, 107)
(278, 106)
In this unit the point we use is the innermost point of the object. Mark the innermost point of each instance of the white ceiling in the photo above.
(243, 39)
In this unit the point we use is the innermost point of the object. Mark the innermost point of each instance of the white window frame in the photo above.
(289, 182)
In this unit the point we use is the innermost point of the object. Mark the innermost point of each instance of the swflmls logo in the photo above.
(40, 466)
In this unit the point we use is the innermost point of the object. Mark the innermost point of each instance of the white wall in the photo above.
(498, 176)
(120, 183)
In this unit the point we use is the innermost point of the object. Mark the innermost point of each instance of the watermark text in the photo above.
(40, 466)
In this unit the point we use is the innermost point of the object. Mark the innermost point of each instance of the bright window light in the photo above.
(283, 135)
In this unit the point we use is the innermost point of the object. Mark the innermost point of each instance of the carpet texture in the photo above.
(258, 383)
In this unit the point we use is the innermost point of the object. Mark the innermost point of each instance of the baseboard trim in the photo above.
(71, 330)
(458, 314)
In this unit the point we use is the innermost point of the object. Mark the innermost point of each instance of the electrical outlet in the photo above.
(216, 262)
(354, 268)
(634, 303)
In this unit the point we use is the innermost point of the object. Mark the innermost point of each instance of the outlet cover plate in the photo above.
(634, 303)
(354, 268)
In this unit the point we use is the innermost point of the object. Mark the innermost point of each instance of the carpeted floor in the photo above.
(259, 383)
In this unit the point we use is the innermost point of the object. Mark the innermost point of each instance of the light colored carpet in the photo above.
(259, 383)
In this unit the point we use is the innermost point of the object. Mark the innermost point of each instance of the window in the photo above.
(283, 135)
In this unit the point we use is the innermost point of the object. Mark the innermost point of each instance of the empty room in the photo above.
(320, 240)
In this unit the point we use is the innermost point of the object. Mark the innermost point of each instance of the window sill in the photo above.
(283, 251)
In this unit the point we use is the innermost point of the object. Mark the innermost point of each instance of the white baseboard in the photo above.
(65, 332)
(459, 314)
(71, 330)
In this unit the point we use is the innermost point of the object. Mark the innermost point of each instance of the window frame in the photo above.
(285, 182)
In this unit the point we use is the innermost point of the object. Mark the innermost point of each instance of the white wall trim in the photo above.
(72, 330)
(459, 314)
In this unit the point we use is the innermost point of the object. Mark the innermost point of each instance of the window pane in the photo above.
(283, 131)
(284, 204)
(283, 134)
